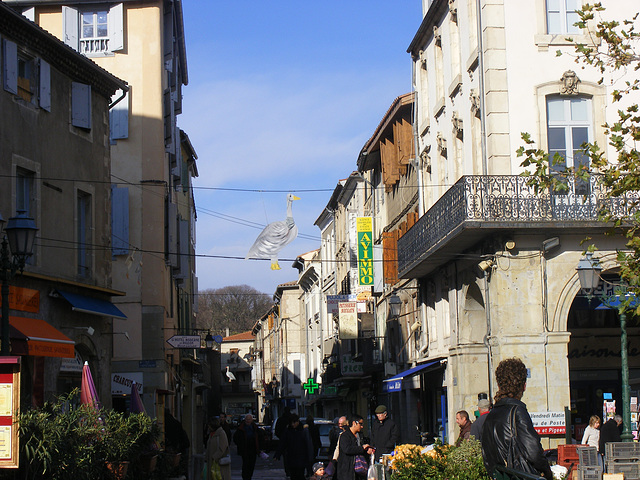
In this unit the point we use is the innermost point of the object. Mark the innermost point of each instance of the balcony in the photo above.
(481, 205)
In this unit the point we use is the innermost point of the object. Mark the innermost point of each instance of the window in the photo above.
(92, 32)
(81, 105)
(119, 220)
(25, 191)
(561, 16)
(569, 126)
(84, 225)
(26, 76)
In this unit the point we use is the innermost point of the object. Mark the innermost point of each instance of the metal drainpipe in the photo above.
(487, 337)
(481, 93)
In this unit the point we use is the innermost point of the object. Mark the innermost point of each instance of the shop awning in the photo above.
(95, 306)
(394, 384)
(33, 336)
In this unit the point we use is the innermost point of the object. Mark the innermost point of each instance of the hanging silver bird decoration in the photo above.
(275, 237)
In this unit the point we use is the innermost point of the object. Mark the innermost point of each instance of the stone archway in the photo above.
(472, 326)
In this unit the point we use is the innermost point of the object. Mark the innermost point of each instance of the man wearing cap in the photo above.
(476, 427)
(384, 432)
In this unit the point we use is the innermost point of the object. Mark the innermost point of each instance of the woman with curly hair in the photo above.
(508, 436)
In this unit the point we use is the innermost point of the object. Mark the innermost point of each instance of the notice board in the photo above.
(9, 402)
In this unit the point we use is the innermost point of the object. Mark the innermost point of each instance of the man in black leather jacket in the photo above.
(508, 436)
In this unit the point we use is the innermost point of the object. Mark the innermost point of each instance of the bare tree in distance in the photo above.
(236, 307)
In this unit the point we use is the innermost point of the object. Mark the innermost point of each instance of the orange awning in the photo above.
(33, 336)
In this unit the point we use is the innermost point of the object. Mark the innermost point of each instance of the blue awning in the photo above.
(394, 384)
(95, 306)
(615, 301)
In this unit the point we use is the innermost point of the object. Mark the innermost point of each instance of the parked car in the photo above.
(324, 426)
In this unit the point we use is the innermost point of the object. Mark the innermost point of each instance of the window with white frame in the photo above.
(561, 16)
(569, 126)
(84, 227)
(94, 31)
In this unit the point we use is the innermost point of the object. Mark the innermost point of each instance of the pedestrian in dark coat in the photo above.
(296, 443)
(246, 439)
(348, 448)
(476, 428)
(225, 426)
(508, 436)
(610, 432)
(384, 432)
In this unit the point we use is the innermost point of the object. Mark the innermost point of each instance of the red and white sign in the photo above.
(548, 423)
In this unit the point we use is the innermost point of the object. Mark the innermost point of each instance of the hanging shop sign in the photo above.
(348, 318)
(548, 423)
(364, 227)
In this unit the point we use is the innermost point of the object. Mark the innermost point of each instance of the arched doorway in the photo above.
(594, 357)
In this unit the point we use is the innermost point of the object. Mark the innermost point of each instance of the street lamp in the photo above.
(17, 246)
(589, 269)
(208, 341)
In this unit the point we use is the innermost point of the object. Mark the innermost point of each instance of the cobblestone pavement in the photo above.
(265, 469)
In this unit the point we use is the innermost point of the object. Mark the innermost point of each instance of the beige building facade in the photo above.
(495, 262)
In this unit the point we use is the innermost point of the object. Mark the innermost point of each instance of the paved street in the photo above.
(265, 469)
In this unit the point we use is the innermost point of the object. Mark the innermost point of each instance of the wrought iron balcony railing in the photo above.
(505, 201)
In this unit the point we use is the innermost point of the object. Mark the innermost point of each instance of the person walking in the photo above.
(609, 432)
(349, 447)
(462, 419)
(246, 439)
(217, 448)
(508, 436)
(225, 426)
(384, 433)
(280, 426)
(591, 435)
(476, 427)
(296, 443)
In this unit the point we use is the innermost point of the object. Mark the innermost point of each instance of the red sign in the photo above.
(551, 430)
(23, 299)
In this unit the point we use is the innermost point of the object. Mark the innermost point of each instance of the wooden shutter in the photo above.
(403, 137)
(44, 86)
(183, 260)
(390, 256)
(119, 117)
(80, 105)
(115, 25)
(70, 23)
(119, 220)
(10, 70)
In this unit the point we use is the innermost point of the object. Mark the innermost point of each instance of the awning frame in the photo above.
(394, 384)
(90, 305)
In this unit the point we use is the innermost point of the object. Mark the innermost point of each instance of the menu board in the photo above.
(9, 402)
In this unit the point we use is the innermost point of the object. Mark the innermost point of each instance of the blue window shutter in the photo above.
(80, 105)
(183, 261)
(116, 30)
(70, 23)
(119, 117)
(45, 86)
(10, 55)
(172, 234)
(119, 220)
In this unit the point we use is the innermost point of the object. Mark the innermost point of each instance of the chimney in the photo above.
(227, 331)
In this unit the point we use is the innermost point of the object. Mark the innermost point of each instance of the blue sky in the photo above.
(282, 96)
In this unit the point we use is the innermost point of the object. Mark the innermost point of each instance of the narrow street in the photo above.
(265, 469)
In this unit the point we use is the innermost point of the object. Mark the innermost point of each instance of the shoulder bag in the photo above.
(360, 466)
(226, 460)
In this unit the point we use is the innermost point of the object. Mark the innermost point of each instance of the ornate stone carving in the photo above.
(569, 83)
(442, 144)
(475, 102)
(426, 160)
(457, 125)
(422, 60)
(437, 37)
(453, 10)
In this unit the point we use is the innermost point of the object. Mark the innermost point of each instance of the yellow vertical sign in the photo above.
(364, 227)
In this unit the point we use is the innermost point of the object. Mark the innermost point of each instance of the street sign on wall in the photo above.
(348, 320)
(185, 341)
(548, 423)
